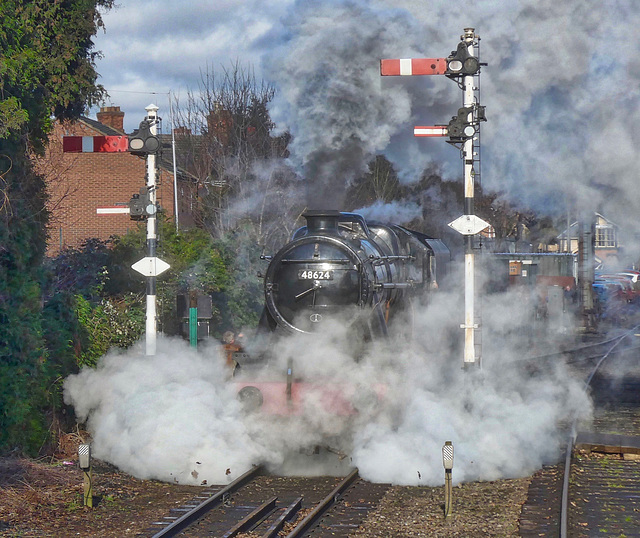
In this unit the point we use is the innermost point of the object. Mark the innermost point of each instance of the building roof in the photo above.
(100, 127)
(573, 226)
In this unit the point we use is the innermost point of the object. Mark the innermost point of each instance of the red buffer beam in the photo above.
(95, 144)
(431, 130)
(413, 66)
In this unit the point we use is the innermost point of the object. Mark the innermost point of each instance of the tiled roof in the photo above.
(100, 127)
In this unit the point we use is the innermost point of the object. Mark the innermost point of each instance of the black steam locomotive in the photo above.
(340, 267)
(338, 270)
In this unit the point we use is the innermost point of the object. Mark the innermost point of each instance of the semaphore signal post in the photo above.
(462, 66)
(143, 142)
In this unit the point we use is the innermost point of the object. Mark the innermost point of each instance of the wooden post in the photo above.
(88, 488)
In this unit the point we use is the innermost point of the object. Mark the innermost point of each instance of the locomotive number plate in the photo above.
(308, 274)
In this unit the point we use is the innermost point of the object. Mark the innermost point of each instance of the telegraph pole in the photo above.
(462, 66)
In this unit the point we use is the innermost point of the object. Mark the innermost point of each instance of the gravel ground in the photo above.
(44, 499)
(39, 499)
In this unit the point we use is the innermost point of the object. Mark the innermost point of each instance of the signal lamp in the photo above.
(142, 141)
(140, 205)
(455, 66)
(461, 63)
(461, 127)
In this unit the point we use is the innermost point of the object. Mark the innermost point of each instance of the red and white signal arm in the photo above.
(95, 144)
(114, 209)
(431, 130)
(413, 66)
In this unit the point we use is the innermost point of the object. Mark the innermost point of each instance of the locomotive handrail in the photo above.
(317, 260)
(391, 258)
(394, 285)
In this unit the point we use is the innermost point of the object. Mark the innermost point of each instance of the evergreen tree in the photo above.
(46, 70)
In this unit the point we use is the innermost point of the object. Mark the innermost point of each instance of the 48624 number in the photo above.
(308, 274)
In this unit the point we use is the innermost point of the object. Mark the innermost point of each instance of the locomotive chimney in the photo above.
(323, 220)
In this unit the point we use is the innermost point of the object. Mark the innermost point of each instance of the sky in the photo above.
(560, 88)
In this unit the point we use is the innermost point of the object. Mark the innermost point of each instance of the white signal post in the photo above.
(150, 266)
(470, 325)
(462, 65)
(152, 241)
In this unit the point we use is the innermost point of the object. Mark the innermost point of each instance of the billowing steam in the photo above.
(174, 416)
(330, 98)
(561, 91)
(396, 212)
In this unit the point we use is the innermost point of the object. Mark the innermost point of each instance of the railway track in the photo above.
(596, 490)
(270, 506)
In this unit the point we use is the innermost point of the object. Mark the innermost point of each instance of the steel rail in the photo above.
(564, 502)
(323, 506)
(252, 519)
(183, 522)
(287, 515)
(572, 351)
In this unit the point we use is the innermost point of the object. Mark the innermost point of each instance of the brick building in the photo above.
(78, 184)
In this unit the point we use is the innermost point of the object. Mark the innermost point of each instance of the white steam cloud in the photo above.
(396, 212)
(174, 416)
(561, 93)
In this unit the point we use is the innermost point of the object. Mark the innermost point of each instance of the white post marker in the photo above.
(149, 266)
(447, 462)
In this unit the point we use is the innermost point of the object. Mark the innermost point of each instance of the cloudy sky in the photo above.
(560, 89)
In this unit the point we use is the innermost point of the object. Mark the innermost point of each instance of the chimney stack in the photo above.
(181, 131)
(111, 116)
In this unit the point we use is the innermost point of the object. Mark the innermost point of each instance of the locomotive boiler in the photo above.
(341, 268)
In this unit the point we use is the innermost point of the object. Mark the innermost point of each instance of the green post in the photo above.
(193, 319)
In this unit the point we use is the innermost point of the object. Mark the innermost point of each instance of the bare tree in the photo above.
(226, 143)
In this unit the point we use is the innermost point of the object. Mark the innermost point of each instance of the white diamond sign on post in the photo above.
(469, 224)
(150, 266)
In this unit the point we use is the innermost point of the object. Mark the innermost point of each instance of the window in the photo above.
(605, 236)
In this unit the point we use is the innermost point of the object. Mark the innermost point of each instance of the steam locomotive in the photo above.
(339, 267)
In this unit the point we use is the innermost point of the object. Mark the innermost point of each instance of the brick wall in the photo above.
(79, 183)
